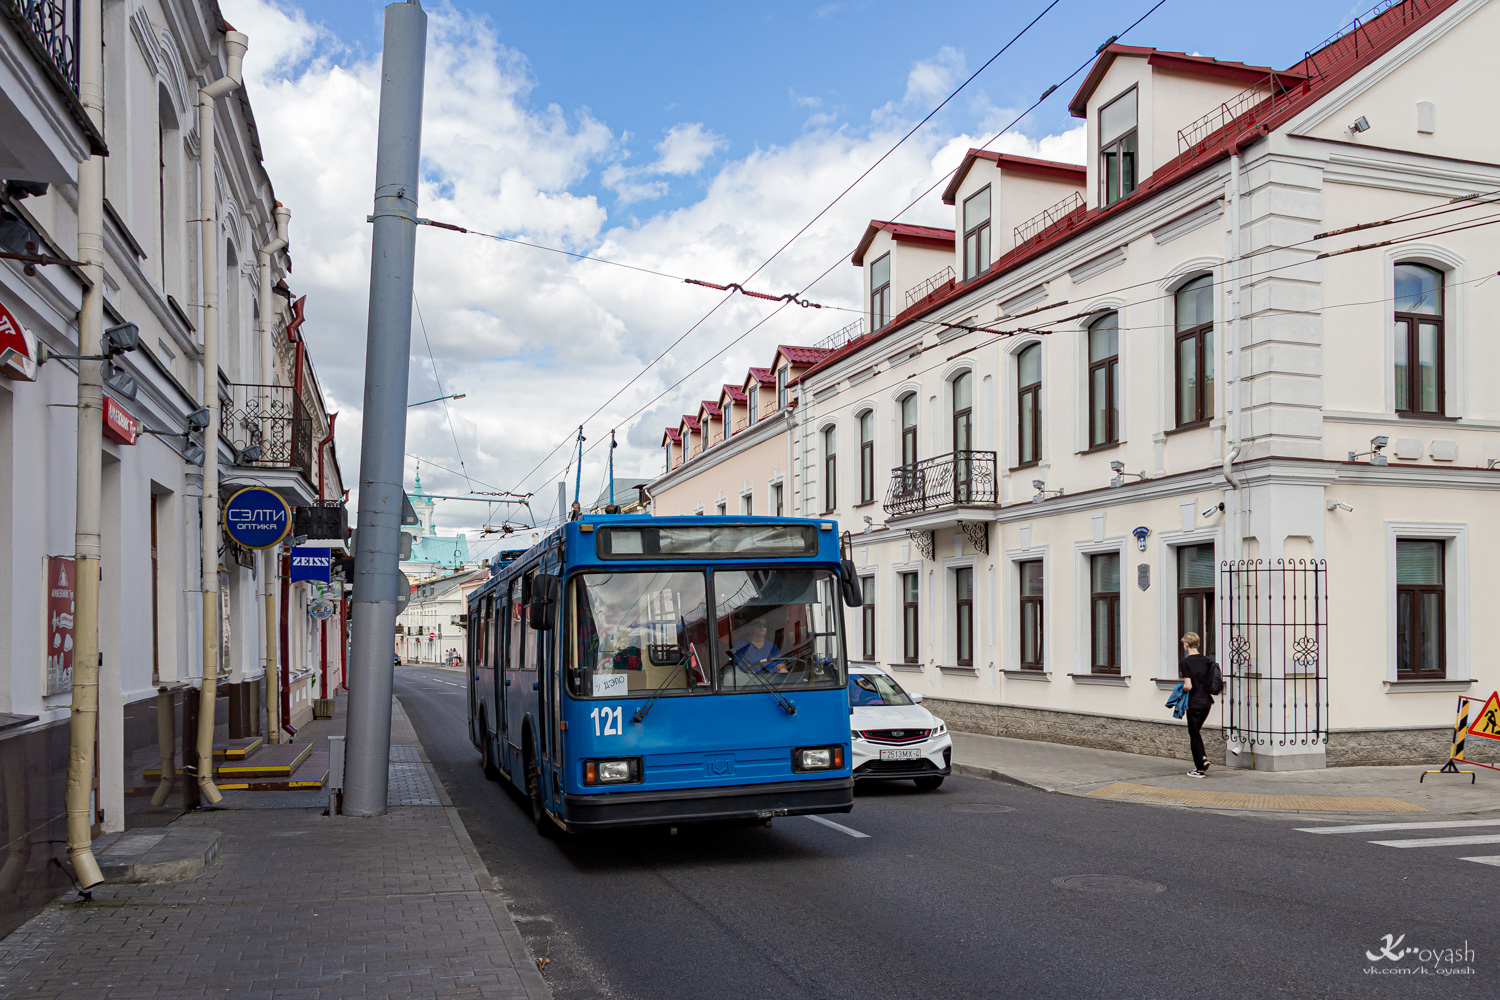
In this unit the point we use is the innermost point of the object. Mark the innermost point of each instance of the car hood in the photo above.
(892, 717)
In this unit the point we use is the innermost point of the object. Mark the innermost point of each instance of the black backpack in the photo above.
(1215, 678)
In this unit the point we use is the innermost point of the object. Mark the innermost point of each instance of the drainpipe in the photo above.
(86, 540)
(344, 641)
(166, 747)
(269, 562)
(1232, 447)
(322, 446)
(286, 645)
(234, 48)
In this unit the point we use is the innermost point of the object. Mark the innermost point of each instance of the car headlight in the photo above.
(818, 758)
(612, 772)
(942, 727)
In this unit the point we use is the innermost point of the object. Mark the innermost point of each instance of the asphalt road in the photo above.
(952, 894)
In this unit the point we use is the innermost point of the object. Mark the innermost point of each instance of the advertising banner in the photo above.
(311, 564)
(60, 581)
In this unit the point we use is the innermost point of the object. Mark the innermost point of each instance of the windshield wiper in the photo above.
(781, 699)
(645, 709)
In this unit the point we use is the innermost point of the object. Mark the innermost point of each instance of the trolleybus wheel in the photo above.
(491, 771)
(534, 795)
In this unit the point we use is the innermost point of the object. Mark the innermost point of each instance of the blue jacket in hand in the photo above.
(1178, 702)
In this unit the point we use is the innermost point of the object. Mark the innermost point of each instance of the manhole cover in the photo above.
(1114, 885)
(981, 807)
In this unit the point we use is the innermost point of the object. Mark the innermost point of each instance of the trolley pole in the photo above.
(383, 438)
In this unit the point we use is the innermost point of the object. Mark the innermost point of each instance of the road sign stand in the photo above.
(1461, 732)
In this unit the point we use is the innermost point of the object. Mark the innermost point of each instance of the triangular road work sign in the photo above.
(1487, 722)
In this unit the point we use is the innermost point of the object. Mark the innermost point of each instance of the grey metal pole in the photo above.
(383, 439)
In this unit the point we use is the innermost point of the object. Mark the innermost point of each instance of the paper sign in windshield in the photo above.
(610, 684)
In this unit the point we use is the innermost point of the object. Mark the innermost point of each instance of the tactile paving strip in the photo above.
(1132, 792)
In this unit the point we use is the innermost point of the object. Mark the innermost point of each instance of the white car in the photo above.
(892, 736)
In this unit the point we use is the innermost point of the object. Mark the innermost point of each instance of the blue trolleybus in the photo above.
(630, 671)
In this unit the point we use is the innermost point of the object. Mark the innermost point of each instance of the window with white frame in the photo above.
(1419, 340)
(1117, 148)
(1194, 307)
(1104, 381)
(867, 618)
(977, 233)
(721, 508)
(910, 608)
(830, 469)
(880, 293)
(963, 615)
(867, 457)
(1104, 612)
(962, 389)
(781, 394)
(747, 504)
(777, 499)
(1421, 613)
(1030, 591)
(1029, 405)
(752, 398)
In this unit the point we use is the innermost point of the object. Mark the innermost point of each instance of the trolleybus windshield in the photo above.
(642, 633)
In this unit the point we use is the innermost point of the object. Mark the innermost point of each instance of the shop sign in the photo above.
(17, 348)
(322, 609)
(311, 564)
(119, 425)
(257, 517)
(60, 581)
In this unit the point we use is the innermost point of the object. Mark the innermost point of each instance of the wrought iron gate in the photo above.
(1274, 628)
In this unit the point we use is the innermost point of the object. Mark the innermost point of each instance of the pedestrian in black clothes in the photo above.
(1195, 670)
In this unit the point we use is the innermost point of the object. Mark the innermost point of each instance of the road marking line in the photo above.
(1493, 859)
(1492, 838)
(1380, 827)
(841, 828)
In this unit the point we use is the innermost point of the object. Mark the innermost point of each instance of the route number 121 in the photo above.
(612, 719)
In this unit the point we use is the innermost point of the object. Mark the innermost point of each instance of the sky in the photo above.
(688, 139)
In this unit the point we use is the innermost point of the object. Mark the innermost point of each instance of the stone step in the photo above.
(312, 773)
(157, 854)
(276, 761)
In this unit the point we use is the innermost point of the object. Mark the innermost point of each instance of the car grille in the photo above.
(895, 737)
(904, 768)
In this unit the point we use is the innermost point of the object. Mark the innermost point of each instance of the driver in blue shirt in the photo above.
(753, 656)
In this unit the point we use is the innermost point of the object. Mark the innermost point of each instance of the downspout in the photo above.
(86, 541)
(344, 640)
(286, 646)
(1232, 449)
(208, 248)
(322, 446)
(166, 747)
(270, 562)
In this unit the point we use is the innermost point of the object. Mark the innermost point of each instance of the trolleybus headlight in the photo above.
(818, 758)
(612, 772)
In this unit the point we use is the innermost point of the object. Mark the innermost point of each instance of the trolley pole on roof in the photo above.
(383, 438)
(578, 478)
(611, 466)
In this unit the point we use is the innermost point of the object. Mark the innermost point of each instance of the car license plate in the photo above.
(912, 754)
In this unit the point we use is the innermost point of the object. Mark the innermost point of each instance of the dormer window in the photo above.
(977, 234)
(781, 388)
(1117, 147)
(880, 293)
(753, 399)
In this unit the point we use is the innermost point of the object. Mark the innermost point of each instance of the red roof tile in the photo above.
(735, 393)
(673, 435)
(1071, 173)
(690, 422)
(1321, 72)
(901, 232)
(711, 407)
(762, 375)
(1180, 62)
(803, 355)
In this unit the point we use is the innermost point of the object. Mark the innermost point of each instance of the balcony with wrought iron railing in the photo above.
(272, 418)
(957, 479)
(53, 28)
(939, 282)
(1066, 212)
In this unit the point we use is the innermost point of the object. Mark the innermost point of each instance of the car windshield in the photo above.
(778, 627)
(875, 689)
(639, 633)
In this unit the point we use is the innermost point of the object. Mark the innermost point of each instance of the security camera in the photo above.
(198, 419)
(122, 337)
(1335, 505)
(868, 519)
(1117, 465)
(1217, 508)
(1040, 484)
(1379, 441)
(1361, 124)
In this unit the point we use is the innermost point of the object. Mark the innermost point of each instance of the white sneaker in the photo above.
(1195, 774)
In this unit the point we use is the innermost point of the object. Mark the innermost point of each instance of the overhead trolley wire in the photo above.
(1037, 103)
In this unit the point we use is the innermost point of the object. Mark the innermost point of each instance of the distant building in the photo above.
(430, 625)
(432, 554)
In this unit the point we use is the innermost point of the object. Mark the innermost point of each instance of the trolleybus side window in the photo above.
(637, 633)
(517, 629)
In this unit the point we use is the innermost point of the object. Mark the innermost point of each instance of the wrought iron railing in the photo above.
(935, 283)
(1274, 631)
(272, 418)
(54, 25)
(841, 337)
(1063, 211)
(959, 478)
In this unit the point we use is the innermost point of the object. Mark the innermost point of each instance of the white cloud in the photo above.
(931, 80)
(538, 340)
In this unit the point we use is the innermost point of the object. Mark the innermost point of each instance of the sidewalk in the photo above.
(1054, 767)
(296, 904)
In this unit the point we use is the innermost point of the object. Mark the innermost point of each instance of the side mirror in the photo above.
(849, 581)
(916, 699)
(542, 613)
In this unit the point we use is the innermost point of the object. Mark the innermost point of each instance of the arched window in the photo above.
(1419, 339)
(1029, 405)
(229, 358)
(1104, 381)
(963, 437)
(1195, 351)
(909, 429)
(867, 457)
(830, 469)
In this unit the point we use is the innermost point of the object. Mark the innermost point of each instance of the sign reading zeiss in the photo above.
(257, 518)
(311, 564)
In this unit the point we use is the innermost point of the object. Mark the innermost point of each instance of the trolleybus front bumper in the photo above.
(706, 805)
